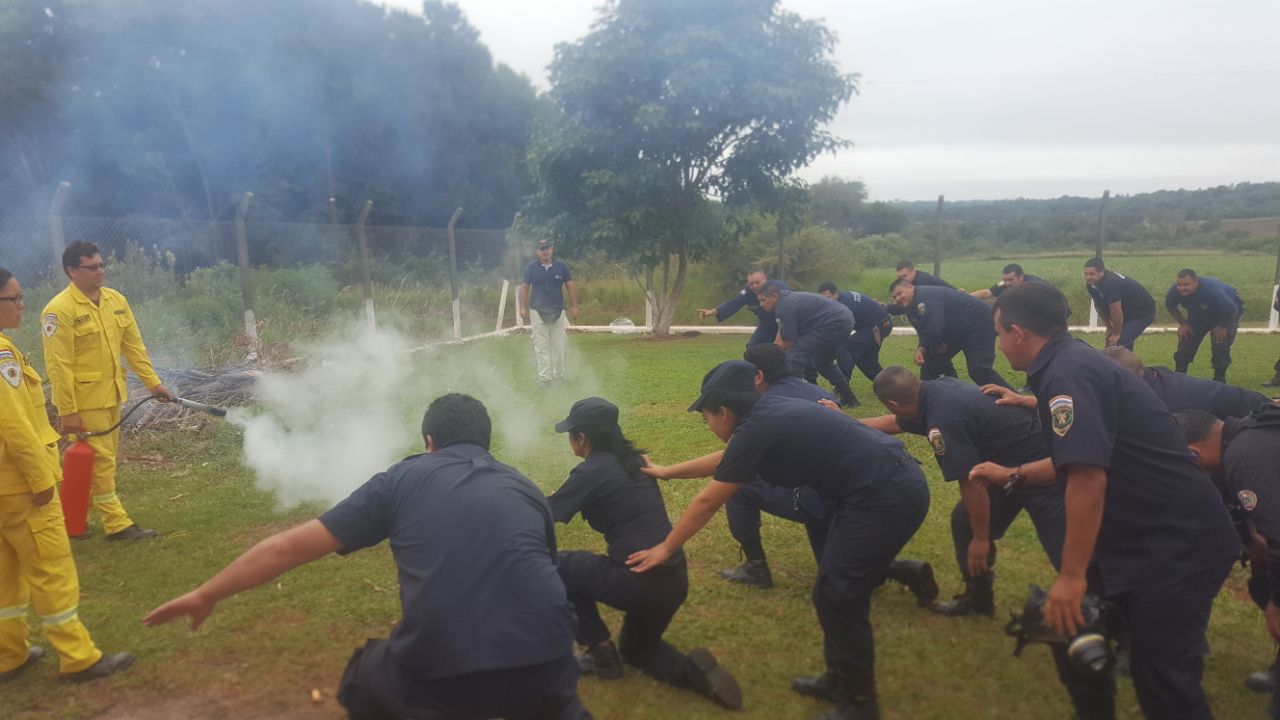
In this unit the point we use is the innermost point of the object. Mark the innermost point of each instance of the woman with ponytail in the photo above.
(625, 505)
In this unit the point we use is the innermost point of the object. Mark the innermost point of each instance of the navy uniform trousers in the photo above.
(649, 600)
(1220, 358)
(1166, 623)
(1044, 503)
(815, 352)
(374, 687)
(867, 532)
(862, 351)
(743, 513)
(979, 350)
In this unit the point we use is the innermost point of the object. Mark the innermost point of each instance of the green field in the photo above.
(262, 653)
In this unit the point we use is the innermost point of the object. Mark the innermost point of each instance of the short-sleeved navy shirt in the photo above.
(789, 443)
(1213, 303)
(628, 511)
(1162, 518)
(801, 313)
(546, 284)
(1135, 302)
(746, 298)
(965, 426)
(1184, 392)
(867, 311)
(941, 316)
(474, 544)
(1251, 480)
(798, 389)
(1001, 286)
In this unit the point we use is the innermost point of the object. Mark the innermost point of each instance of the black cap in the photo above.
(592, 412)
(728, 376)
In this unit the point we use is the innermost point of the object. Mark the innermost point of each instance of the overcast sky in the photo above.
(1010, 98)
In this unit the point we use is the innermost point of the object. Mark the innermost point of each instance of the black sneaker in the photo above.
(1263, 681)
(824, 687)
(918, 577)
(107, 665)
(34, 654)
(752, 573)
(133, 532)
(713, 681)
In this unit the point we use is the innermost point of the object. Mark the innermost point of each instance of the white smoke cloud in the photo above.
(357, 409)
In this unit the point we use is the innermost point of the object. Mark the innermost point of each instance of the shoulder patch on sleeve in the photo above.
(50, 324)
(1062, 412)
(1248, 499)
(935, 439)
(10, 370)
(920, 308)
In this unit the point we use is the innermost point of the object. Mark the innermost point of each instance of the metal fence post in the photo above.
(1102, 224)
(453, 277)
(502, 303)
(58, 242)
(365, 277)
(246, 276)
(937, 240)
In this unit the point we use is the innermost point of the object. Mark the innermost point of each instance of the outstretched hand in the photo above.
(1008, 396)
(652, 469)
(989, 474)
(644, 560)
(192, 605)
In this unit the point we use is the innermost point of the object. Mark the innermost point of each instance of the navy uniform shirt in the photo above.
(867, 311)
(1001, 286)
(1162, 518)
(1251, 480)
(801, 313)
(798, 389)
(789, 443)
(1135, 302)
(546, 284)
(945, 317)
(747, 299)
(1184, 392)
(474, 545)
(628, 511)
(924, 278)
(965, 426)
(1213, 303)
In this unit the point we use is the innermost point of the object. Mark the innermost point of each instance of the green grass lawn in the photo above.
(263, 652)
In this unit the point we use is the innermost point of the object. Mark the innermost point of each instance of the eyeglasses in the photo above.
(15, 299)
(93, 268)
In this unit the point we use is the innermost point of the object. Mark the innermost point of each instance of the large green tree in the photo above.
(670, 113)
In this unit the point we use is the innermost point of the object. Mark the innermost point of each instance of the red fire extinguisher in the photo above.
(77, 467)
(77, 477)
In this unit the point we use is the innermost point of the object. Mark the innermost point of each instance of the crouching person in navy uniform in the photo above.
(487, 630)
(625, 505)
(880, 497)
(1146, 528)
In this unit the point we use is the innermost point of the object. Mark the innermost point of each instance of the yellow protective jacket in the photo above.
(26, 465)
(84, 345)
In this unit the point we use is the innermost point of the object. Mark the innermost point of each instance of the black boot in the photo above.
(823, 687)
(1263, 681)
(710, 680)
(601, 660)
(918, 577)
(1274, 381)
(858, 695)
(1220, 376)
(978, 598)
(845, 393)
(752, 573)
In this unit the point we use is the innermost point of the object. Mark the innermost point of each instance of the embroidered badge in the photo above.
(935, 439)
(1248, 499)
(50, 324)
(10, 369)
(1062, 412)
(82, 319)
(920, 308)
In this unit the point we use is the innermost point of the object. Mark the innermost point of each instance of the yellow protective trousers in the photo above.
(36, 567)
(103, 490)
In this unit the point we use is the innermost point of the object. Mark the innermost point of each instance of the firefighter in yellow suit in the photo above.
(89, 331)
(35, 556)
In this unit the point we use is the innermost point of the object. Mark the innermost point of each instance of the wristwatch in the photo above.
(1016, 478)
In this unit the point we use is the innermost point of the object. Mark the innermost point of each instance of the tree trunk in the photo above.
(665, 310)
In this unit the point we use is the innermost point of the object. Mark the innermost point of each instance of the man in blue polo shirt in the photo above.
(766, 327)
(487, 629)
(1184, 392)
(1012, 275)
(871, 327)
(1122, 303)
(541, 290)
(1146, 528)
(1212, 308)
